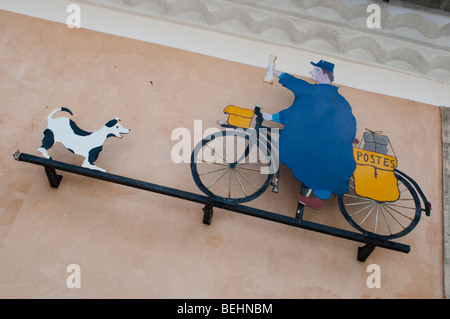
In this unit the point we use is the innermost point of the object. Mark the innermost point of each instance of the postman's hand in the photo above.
(267, 116)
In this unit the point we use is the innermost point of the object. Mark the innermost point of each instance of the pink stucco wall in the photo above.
(129, 243)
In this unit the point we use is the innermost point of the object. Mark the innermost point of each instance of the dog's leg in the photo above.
(93, 154)
(86, 164)
(47, 143)
(92, 157)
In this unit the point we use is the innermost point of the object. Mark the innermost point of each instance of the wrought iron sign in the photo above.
(240, 162)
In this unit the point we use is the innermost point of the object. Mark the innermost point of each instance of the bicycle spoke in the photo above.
(240, 184)
(229, 185)
(213, 163)
(255, 162)
(359, 203)
(225, 152)
(385, 218)
(250, 169)
(403, 190)
(402, 206)
(218, 164)
(235, 150)
(216, 152)
(354, 196)
(213, 183)
(245, 177)
(370, 212)
(401, 214)
(362, 209)
(394, 216)
(352, 184)
(214, 171)
(376, 219)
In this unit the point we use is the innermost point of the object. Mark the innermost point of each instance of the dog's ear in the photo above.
(111, 123)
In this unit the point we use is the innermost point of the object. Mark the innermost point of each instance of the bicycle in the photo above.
(226, 165)
(238, 164)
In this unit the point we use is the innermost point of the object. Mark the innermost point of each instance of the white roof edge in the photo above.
(245, 50)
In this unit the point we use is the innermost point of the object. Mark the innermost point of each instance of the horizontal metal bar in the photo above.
(117, 179)
(193, 197)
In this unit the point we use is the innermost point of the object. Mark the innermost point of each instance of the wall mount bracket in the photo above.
(364, 252)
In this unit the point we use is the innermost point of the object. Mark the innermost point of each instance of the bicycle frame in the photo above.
(258, 139)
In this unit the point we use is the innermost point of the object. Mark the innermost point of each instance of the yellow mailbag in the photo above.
(374, 176)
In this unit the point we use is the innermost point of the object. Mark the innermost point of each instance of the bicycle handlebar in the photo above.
(259, 118)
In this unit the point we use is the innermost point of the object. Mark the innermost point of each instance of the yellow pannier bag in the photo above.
(238, 116)
(374, 176)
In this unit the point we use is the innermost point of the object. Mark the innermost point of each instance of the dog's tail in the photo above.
(63, 109)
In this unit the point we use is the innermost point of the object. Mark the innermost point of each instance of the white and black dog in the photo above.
(87, 144)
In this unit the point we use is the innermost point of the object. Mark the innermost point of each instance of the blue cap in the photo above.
(324, 65)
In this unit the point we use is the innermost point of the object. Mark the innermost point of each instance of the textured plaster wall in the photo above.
(130, 243)
(410, 41)
(446, 182)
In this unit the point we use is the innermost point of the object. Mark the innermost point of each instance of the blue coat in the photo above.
(316, 142)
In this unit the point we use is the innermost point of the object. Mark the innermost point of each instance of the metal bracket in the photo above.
(363, 252)
(207, 214)
(53, 178)
(16, 155)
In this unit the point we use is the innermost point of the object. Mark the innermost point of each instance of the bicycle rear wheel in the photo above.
(231, 167)
(382, 220)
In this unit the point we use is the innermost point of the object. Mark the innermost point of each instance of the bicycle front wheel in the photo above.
(231, 167)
